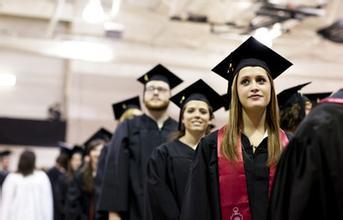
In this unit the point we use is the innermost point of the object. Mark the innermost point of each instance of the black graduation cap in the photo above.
(226, 100)
(291, 95)
(161, 73)
(120, 107)
(5, 153)
(251, 53)
(199, 90)
(101, 134)
(316, 97)
(69, 149)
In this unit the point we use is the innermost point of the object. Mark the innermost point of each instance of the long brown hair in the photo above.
(88, 179)
(232, 132)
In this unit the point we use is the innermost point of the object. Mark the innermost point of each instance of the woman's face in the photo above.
(75, 161)
(95, 153)
(253, 87)
(196, 116)
(308, 107)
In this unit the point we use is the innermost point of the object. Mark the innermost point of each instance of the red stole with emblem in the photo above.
(234, 199)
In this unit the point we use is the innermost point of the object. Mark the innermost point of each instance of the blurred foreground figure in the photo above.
(4, 165)
(27, 193)
(309, 180)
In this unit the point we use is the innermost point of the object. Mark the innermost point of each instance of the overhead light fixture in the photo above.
(7, 80)
(115, 8)
(267, 35)
(262, 35)
(93, 12)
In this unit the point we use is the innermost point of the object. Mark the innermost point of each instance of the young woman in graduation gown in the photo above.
(168, 166)
(80, 199)
(231, 175)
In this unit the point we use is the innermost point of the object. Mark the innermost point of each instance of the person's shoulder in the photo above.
(322, 115)
(13, 177)
(162, 150)
(172, 121)
(40, 174)
(211, 138)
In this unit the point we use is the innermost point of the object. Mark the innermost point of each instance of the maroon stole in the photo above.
(332, 100)
(234, 199)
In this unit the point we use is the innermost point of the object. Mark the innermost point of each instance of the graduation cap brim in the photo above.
(314, 97)
(226, 101)
(161, 73)
(101, 134)
(285, 97)
(65, 148)
(77, 149)
(197, 91)
(120, 107)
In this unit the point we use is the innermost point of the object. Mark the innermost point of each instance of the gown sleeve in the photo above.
(114, 191)
(73, 209)
(100, 214)
(159, 197)
(196, 204)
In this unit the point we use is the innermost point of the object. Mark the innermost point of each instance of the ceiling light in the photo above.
(93, 12)
(7, 80)
(115, 8)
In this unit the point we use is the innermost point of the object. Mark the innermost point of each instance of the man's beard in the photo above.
(162, 107)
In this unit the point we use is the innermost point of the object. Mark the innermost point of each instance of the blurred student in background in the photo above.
(27, 193)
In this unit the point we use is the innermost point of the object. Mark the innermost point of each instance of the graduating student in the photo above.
(80, 199)
(312, 99)
(169, 164)
(131, 146)
(55, 174)
(233, 168)
(292, 107)
(27, 193)
(127, 109)
(75, 161)
(122, 111)
(309, 181)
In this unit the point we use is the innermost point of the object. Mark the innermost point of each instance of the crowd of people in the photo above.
(276, 158)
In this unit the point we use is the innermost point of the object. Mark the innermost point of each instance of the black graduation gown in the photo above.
(54, 176)
(79, 202)
(167, 174)
(202, 197)
(309, 180)
(3, 175)
(100, 215)
(129, 150)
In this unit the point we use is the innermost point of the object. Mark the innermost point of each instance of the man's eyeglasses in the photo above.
(153, 88)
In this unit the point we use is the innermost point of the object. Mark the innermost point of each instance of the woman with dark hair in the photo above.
(80, 202)
(233, 168)
(75, 160)
(292, 108)
(27, 193)
(169, 163)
